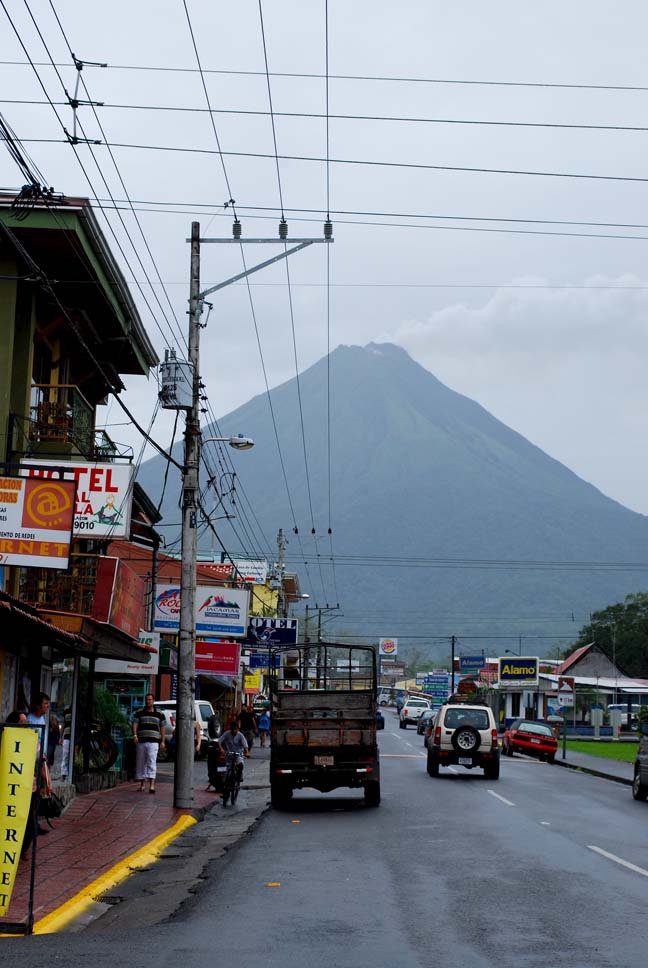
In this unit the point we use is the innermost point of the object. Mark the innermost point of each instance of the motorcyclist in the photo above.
(233, 741)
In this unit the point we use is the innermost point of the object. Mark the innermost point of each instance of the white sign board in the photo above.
(104, 494)
(219, 610)
(122, 667)
(388, 647)
(566, 690)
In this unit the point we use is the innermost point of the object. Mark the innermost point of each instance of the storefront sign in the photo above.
(273, 631)
(471, 665)
(388, 647)
(104, 494)
(120, 596)
(168, 656)
(122, 667)
(518, 671)
(260, 660)
(437, 686)
(219, 611)
(245, 570)
(218, 658)
(566, 691)
(36, 522)
(17, 764)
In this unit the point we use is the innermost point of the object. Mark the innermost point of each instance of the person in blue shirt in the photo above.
(263, 724)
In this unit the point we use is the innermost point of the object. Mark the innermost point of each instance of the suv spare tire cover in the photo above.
(466, 739)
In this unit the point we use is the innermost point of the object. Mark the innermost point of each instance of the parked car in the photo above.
(531, 737)
(424, 720)
(380, 719)
(640, 781)
(411, 711)
(202, 710)
(464, 734)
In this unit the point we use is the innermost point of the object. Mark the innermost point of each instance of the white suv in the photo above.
(411, 711)
(202, 711)
(464, 733)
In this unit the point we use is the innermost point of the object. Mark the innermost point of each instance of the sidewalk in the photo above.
(102, 837)
(597, 766)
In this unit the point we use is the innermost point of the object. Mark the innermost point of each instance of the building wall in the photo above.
(594, 663)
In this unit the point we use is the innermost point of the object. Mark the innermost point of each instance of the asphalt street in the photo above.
(545, 867)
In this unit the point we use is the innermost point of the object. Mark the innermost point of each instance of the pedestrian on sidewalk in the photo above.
(19, 718)
(264, 728)
(148, 736)
(248, 722)
(54, 739)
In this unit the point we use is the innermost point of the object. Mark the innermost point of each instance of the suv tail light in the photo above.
(437, 736)
(494, 740)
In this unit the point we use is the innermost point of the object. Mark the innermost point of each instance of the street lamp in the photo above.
(238, 442)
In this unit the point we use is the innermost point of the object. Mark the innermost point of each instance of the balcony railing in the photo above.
(28, 434)
(60, 413)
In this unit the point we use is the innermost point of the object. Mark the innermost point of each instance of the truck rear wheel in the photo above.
(372, 793)
(280, 794)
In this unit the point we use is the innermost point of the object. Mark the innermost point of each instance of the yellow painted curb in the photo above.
(58, 919)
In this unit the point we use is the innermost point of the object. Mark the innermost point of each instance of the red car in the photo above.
(530, 737)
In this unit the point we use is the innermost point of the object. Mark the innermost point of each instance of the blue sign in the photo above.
(260, 660)
(437, 686)
(471, 665)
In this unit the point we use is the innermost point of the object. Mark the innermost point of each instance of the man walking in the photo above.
(248, 723)
(148, 736)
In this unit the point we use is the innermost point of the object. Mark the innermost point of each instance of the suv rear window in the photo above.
(466, 717)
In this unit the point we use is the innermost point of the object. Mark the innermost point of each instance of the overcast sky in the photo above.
(547, 332)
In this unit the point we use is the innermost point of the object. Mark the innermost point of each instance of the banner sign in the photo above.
(17, 765)
(104, 494)
(252, 682)
(244, 570)
(218, 658)
(518, 671)
(219, 611)
(272, 631)
(388, 647)
(471, 665)
(36, 522)
(122, 667)
(120, 596)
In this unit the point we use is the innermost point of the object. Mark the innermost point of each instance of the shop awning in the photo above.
(99, 639)
(22, 624)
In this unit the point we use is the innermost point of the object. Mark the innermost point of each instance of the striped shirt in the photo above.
(149, 726)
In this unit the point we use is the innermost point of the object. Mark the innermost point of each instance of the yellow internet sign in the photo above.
(17, 763)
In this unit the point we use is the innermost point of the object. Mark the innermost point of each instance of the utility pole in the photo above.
(183, 781)
(183, 778)
(452, 660)
(281, 547)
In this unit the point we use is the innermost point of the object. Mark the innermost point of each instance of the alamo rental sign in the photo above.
(36, 522)
(103, 498)
(522, 671)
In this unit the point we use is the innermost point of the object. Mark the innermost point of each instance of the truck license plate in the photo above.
(323, 761)
(465, 761)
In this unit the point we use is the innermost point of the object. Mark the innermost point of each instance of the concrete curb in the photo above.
(599, 773)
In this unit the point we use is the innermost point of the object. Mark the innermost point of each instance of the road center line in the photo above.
(618, 860)
(508, 803)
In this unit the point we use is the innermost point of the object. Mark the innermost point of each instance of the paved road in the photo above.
(533, 870)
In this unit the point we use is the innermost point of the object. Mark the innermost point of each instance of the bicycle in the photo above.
(103, 750)
(232, 781)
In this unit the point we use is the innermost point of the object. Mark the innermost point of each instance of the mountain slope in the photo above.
(419, 471)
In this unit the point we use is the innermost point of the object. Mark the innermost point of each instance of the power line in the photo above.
(365, 162)
(314, 115)
(550, 85)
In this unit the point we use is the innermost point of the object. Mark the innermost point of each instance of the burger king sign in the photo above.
(388, 647)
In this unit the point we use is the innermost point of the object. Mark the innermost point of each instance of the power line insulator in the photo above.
(328, 229)
(283, 229)
(236, 229)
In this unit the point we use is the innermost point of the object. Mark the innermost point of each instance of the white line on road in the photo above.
(545, 823)
(508, 803)
(618, 860)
